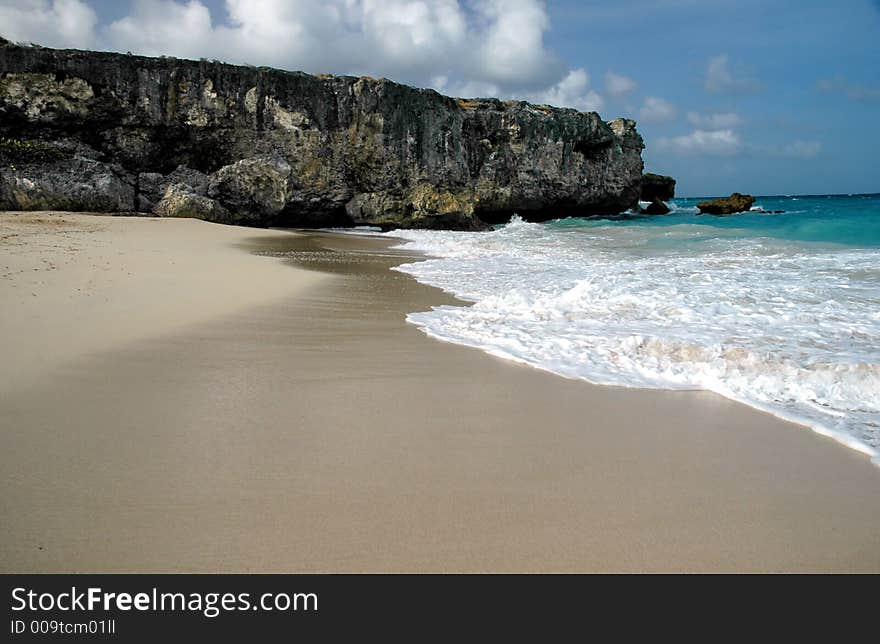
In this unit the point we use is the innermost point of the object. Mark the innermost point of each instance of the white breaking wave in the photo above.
(789, 328)
(370, 231)
(674, 208)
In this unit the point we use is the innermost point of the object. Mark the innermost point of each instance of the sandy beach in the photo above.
(180, 396)
(72, 284)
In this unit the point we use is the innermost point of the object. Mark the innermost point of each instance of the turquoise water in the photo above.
(850, 220)
(779, 311)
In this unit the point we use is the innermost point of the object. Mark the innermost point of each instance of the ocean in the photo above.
(778, 311)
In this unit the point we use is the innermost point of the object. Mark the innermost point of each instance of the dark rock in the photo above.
(256, 189)
(657, 186)
(656, 207)
(153, 185)
(151, 188)
(14, 151)
(286, 148)
(68, 184)
(727, 205)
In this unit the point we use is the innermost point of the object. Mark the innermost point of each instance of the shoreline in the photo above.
(842, 439)
(321, 432)
(757, 372)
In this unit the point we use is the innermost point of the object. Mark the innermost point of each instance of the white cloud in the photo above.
(465, 89)
(55, 23)
(720, 79)
(852, 91)
(461, 47)
(487, 43)
(716, 121)
(708, 142)
(512, 48)
(154, 24)
(727, 143)
(802, 149)
(657, 110)
(618, 86)
(571, 91)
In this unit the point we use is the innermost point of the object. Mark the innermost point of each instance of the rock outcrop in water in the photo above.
(657, 189)
(657, 186)
(727, 205)
(656, 207)
(266, 147)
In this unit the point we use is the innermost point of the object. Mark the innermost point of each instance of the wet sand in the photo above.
(320, 432)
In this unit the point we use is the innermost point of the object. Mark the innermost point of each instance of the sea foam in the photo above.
(789, 327)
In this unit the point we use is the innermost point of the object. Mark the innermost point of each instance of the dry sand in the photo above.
(71, 284)
(320, 432)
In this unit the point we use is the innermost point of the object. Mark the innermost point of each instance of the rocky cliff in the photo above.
(110, 132)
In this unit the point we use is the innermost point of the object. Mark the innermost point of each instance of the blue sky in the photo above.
(754, 96)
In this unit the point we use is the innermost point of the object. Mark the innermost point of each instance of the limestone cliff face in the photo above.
(267, 147)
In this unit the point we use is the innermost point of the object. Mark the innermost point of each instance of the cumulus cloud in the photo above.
(715, 134)
(461, 47)
(728, 142)
(715, 121)
(719, 78)
(55, 23)
(618, 86)
(853, 91)
(486, 43)
(709, 142)
(657, 110)
(512, 48)
(154, 24)
(333, 36)
(571, 91)
(466, 89)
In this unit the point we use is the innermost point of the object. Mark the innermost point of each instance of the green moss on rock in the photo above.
(24, 151)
